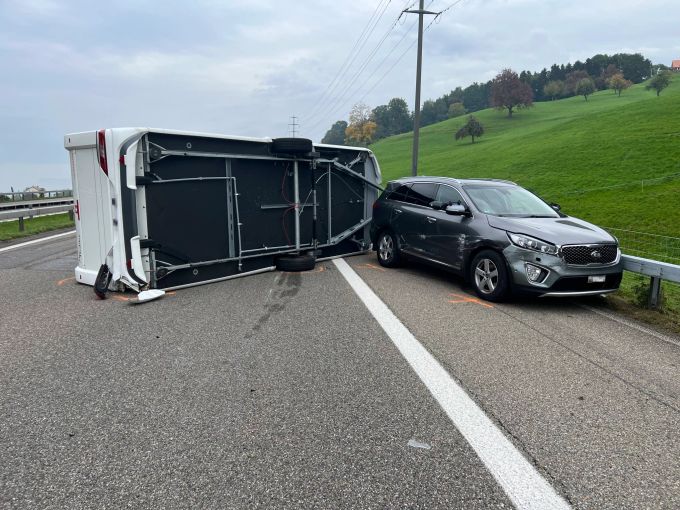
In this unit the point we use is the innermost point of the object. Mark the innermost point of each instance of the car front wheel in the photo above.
(489, 276)
(388, 252)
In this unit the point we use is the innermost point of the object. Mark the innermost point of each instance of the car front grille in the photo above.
(585, 254)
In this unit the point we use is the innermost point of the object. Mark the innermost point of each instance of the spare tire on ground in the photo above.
(295, 263)
(292, 146)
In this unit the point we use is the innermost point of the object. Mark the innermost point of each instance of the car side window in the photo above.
(400, 193)
(422, 193)
(449, 195)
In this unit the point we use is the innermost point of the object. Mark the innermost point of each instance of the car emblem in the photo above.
(595, 254)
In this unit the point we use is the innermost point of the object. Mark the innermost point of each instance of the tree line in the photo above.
(508, 91)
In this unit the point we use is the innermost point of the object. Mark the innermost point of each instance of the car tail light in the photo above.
(101, 150)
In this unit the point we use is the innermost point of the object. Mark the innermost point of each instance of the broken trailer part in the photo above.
(161, 209)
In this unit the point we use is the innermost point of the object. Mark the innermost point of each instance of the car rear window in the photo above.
(400, 193)
(422, 193)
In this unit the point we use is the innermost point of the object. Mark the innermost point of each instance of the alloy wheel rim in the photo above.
(386, 247)
(486, 276)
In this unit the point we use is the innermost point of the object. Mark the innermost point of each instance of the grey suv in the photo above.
(497, 235)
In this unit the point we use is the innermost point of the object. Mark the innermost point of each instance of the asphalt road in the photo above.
(282, 391)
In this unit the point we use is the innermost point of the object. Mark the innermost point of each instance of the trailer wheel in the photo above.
(292, 146)
(101, 283)
(295, 263)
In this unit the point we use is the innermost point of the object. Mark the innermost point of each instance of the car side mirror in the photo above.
(438, 206)
(556, 206)
(457, 210)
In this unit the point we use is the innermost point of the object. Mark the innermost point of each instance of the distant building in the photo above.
(675, 66)
(33, 192)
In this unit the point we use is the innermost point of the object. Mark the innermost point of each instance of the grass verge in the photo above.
(631, 300)
(10, 229)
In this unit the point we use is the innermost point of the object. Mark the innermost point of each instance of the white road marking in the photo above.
(34, 241)
(520, 480)
(632, 324)
(418, 444)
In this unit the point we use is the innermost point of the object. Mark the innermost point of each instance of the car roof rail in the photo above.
(493, 180)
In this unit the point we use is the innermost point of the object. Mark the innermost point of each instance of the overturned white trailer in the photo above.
(161, 209)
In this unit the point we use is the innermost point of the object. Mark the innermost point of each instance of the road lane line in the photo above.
(631, 324)
(34, 241)
(520, 480)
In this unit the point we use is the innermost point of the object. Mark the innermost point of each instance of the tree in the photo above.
(573, 79)
(509, 92)
(618, 83)
(660, 82)
(476, 96)
(456, 110)
(472, 128)
(361, 128)
(336, 134)
(634, 66)
(400, 117)
(610, 71)
(553, 89)
(392, 118)
(434, 111)
(585, 87)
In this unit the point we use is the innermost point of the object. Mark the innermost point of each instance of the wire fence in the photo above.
(649, 246)
(629, 184)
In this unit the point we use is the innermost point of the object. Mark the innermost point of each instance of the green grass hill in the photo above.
(590, 157)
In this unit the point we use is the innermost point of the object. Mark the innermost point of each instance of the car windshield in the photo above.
(509, 201)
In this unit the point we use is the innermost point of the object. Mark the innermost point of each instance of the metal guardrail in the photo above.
(27, 204)
(30, 212)
(656, 270)
(20, 196)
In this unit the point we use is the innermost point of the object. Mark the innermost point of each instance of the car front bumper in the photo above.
(561, 279)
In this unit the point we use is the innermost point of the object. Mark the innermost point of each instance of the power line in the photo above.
(347, 58)
(353, 80)
(406, 51)
(336, 105)
(396, 62)
(351, 56)
(322, 115)
(323, 108)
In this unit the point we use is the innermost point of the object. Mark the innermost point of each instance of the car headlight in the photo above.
(531, 243)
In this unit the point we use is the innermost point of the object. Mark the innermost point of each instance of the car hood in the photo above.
(560, 231)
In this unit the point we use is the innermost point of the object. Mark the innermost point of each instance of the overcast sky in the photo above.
(245, 66)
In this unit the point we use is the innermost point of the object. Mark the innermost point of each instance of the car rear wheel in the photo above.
(388, 251)
(489, 276)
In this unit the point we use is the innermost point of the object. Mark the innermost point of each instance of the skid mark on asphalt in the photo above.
(287, 286)
(467, 299)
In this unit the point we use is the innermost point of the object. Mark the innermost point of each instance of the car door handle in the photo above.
(398, 211)
(430, 219)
